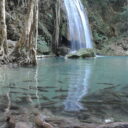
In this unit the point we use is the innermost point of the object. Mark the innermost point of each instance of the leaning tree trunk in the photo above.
(25, 50)
(3, 34)
(56, 12)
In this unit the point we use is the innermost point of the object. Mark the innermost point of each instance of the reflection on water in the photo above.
(36, 85)
(78, 88)
(9, 101)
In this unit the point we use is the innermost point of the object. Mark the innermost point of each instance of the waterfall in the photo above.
(79, 29)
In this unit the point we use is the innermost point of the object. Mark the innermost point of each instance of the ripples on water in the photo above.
(88, 88)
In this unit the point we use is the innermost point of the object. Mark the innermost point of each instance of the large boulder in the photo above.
(72, 56)
(82, 53)
(86, 52)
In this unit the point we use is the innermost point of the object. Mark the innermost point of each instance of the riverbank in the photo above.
(33, 118)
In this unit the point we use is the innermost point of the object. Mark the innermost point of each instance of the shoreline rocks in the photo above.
(40, 122)
(114, 125)
(45, 119)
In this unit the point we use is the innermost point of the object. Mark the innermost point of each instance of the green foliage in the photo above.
(42, 46)
(99, 37)
(124, 13)
(41, 39)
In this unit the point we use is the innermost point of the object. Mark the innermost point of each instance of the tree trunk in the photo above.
(25, 50)
(56, 12)
(3, 34)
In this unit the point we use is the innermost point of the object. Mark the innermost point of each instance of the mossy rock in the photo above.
(86, 52)
(82, 53)
(72, 56)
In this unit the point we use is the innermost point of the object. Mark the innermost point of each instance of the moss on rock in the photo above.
(82, 53)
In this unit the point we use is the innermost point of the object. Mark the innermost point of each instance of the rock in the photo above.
(85, 125)
(72, 56)
(41, 123)
(116, 47)
(23, 125)
(11, 44)
(11, 122)
(86, 52)
(82, 53)
(63, 50)
(115, 125)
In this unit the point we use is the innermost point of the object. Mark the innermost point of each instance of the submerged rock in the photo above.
(41, 123)
(46, 119)
(11, 123)
(23, 125)
(115, 125)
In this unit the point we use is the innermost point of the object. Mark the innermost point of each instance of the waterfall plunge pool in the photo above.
(91, 89)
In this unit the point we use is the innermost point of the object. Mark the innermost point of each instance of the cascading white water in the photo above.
(79, 29)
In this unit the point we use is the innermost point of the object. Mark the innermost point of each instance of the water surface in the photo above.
(88, 88)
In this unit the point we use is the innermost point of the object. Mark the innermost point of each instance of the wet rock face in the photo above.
(115, 48)
(63, 50)
(65, 42)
